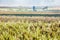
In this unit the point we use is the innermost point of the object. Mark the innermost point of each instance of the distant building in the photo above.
(34, 9)
(45, 8)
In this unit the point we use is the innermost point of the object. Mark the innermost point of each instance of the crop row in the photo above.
(30, 30)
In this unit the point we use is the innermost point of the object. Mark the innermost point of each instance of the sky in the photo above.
(29, 2)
